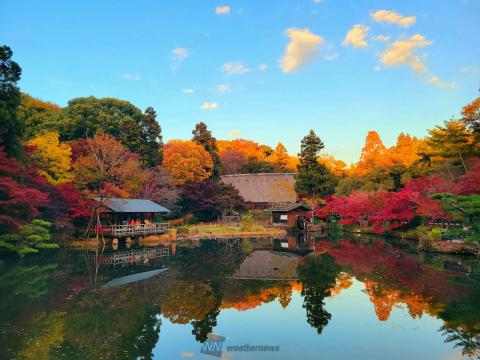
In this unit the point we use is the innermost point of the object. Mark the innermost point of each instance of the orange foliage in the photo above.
(384, 300)
(278, 157)
(186, 161)
(337, 167)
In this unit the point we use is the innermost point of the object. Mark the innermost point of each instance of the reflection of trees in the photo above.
(119, 325)
(317, 276)
(201, 328)
(462, 318)
(187, 301)
(467, 341)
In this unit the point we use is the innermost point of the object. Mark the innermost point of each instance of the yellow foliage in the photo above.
(52, 157)
(187, 161)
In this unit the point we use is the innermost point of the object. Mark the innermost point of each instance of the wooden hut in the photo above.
(291, 215)
(130, 217)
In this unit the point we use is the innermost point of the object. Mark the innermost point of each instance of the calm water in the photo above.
(299, 298)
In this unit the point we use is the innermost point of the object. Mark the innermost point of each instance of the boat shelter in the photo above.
(131, 217)
(291, 214)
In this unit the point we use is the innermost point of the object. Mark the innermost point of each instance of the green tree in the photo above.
(313, 178)
(11, 129)
(153, 143)
(138, 132)
(203, 137)
(452, 142)
(317, 276)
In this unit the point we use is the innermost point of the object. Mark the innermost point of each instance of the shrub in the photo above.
(29, 239)
(182, 230)
(435, 234)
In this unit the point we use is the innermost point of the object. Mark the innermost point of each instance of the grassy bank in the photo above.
(228, 230)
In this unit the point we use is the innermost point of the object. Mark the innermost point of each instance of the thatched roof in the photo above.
(264, 188)
(268, 265)
(118, 205)
(286, 207)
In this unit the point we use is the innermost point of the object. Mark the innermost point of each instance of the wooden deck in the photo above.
(134, 230)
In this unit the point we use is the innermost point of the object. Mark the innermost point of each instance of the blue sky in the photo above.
(263, 70)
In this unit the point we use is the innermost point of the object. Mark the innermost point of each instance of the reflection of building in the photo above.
(268, 265)
(263, 190)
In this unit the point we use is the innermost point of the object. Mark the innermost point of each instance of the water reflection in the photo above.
(50, 307)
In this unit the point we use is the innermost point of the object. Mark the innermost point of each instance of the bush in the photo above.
(29, 239)
(435, 234)
(182, 230)
(246, 222)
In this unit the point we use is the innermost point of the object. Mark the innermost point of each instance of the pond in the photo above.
(262, 298)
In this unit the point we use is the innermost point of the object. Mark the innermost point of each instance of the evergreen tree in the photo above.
(11, 128)
(203, 137)
(153, 142)
(313, 178)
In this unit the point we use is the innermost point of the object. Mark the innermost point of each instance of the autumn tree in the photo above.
(206, 200)
(186, 161)
(108, 168)
(279, 158)
(51, 157)
(373, 154)
(471, 117)
(233, 161)
(38, 116)
(203, 137)
(160, 187)
(19, 202)
(313, 178)
(11, 129)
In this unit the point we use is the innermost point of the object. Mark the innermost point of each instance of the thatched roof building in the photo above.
(264, 189)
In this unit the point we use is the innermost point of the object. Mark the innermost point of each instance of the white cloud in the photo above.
(356, 36)
(402, 53)
(301, 49)
(317, 1)
(391, 17)
(222, 10)
(131, 77)
(234, 133)
(377, 68)
(235, 67)
(331, 56)
(178, 57)
(188, 91)
(436, 81)
(209, 106)
(470, 70)
(383, 38)
(262, 67)
(224, 88)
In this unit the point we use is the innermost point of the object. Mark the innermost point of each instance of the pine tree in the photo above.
(313, 178)
(203, 137)
(153, 142)
(11, 129)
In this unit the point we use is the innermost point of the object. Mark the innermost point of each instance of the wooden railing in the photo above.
(136, 229)
(132, 256)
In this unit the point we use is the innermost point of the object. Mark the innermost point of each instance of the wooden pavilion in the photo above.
(130, 217)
